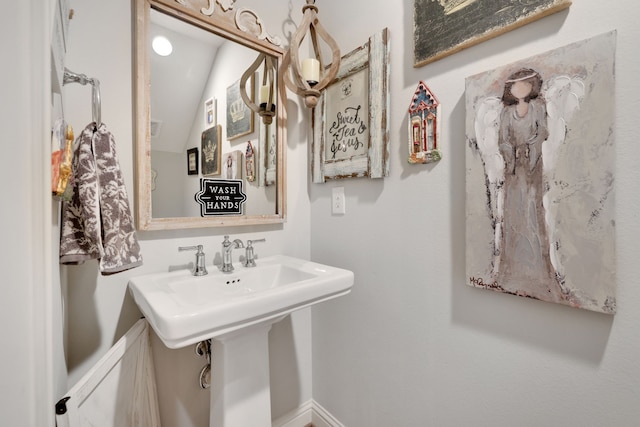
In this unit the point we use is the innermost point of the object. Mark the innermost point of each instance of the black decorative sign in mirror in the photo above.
(220, 197)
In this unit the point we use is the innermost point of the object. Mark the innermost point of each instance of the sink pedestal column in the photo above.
(240, 385)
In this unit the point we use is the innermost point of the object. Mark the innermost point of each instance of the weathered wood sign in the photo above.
(351, 121)
(444, 27)
(220, 197)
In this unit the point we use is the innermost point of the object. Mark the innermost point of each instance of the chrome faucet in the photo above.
(227, 247)
(199, 268)
(250, 258)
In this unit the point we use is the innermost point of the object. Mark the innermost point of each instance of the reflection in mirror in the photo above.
(194, 123)
(209, 68)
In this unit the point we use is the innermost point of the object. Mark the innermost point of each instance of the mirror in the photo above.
(196, 137)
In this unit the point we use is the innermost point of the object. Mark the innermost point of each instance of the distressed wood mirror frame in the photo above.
(372, 160)
(240, 25)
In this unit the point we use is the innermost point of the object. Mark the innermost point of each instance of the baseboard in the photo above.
(320, 417)
(309, 414)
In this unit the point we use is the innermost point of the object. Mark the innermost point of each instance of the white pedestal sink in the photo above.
(236, 310)
(240, 386)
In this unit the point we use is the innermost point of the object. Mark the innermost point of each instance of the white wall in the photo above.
(100, 308)
(413, 345)
(31, 363)
(171, 182)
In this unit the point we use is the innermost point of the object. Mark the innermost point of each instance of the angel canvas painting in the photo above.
(540, 177)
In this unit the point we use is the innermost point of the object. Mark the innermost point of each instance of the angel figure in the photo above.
(517, 136)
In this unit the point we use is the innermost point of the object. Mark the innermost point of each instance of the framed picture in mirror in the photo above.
(239, 115)
(192, 161)
(250, 163)
(211, 140)
(232, 165)
(210, 116)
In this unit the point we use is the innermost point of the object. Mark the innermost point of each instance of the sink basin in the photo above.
(184, 309)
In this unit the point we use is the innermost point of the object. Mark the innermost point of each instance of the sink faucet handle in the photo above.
(250, 259)
(199, 269)
(191, 248)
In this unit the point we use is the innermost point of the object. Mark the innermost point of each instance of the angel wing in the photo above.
(487, 125)
(563, 95)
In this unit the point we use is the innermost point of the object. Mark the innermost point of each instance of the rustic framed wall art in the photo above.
(350, 122)
(444, 27)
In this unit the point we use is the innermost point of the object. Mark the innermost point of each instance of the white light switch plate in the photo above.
(338, 201)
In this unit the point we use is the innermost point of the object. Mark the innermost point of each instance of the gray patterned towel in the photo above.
(97, 222)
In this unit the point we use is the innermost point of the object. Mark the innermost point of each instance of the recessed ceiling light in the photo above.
(162, 46)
